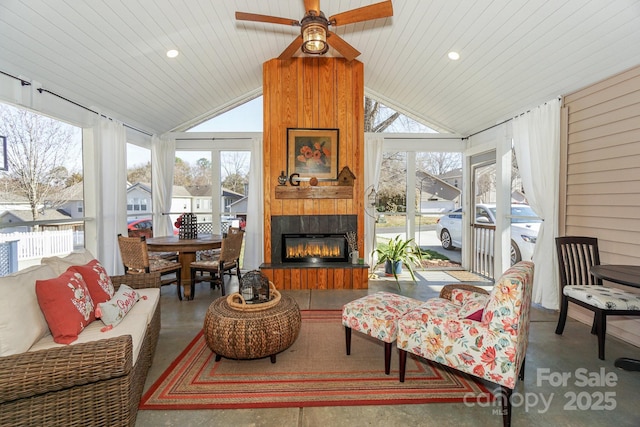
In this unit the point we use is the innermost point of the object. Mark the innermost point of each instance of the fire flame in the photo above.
(313, 249)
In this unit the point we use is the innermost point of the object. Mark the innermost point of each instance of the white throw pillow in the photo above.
(22, 323)
(113, 311)
(60, 265)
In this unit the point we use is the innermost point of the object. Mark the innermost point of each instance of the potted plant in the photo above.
(396, 253)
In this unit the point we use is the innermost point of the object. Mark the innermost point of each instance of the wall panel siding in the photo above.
(314, 93)
(600, 176)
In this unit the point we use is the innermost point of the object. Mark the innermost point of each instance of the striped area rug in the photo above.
(314, 371)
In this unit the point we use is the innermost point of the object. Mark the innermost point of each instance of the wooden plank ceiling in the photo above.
(110, 55)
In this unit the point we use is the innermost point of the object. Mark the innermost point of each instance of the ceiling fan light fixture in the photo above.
(314, 38)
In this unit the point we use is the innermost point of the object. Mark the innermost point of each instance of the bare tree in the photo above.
(235, 170)
(377, 118)
(438, 163)
(37, 149)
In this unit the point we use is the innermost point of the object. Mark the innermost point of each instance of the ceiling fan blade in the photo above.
(344, 48)
(312, 5)
(378, 10)
(244, 16)
(291, 49)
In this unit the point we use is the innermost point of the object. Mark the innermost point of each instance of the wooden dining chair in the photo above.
(224, 263)
(576, 256)
(136, 260)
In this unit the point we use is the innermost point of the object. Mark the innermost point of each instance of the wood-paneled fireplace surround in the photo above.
(318, 93)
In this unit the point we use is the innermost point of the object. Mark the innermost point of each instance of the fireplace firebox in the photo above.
(314, 248)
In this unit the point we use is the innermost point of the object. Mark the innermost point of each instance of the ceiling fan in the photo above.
(315, 37)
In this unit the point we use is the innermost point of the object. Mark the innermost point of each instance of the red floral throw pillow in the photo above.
(97, 280)
(66, 304)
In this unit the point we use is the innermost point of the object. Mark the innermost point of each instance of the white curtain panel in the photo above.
(254, 230)
(372, 165)
(163, 156)
(110, 159)
(536, 136)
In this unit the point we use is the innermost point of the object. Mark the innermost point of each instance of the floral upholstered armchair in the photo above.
(482, 335)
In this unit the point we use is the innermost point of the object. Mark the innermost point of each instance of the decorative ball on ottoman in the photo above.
(254, 287)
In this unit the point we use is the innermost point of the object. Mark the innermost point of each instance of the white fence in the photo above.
(41, 244)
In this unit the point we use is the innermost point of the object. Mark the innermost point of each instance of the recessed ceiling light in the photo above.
(454, 56)
(172, 53)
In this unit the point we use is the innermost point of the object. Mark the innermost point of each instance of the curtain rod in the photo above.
(41, 90)
(503, 122)
(22, 82)
(490, 127)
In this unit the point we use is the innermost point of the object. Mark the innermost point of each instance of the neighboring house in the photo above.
(201, 203)
(180, 201)
(229, 198)
(197, 199)
(73, 200)
(436, 196)
(15, 209)
(13, 202)
(239, 209)
(240, 206)
(453, 177)
(139, 201)
(55, 220)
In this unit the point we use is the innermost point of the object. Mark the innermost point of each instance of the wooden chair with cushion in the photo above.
(136, 260)
(224, 263)
(576, 256)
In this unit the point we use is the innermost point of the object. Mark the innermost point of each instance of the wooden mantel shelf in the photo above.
(320, 192)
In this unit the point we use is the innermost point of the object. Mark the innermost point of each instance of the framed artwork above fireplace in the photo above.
(313, 153)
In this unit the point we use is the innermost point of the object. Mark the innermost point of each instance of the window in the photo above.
(48, 196)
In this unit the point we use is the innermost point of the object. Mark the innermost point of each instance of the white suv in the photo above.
(524, 231)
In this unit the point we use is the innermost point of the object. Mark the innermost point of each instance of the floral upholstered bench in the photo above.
(377, 316)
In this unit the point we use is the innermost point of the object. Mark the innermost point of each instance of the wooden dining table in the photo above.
(628, 275)
(186, 249)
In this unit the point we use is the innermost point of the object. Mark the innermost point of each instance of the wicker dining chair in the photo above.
(224, 263)
(136, 260)
(213, 254)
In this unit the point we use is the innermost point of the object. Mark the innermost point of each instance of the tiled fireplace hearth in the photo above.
(308, 269)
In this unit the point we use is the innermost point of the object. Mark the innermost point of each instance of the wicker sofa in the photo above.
(95, 383)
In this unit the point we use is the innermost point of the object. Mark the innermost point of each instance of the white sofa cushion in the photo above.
(134, 324)
(21, 320)
(60, 265)
(147, 305)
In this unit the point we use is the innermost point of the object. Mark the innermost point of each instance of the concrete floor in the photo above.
(594, 392)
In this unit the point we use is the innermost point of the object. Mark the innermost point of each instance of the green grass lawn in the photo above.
(394, 220)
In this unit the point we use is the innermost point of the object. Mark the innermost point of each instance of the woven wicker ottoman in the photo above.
(237, 334)
(377, 316)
